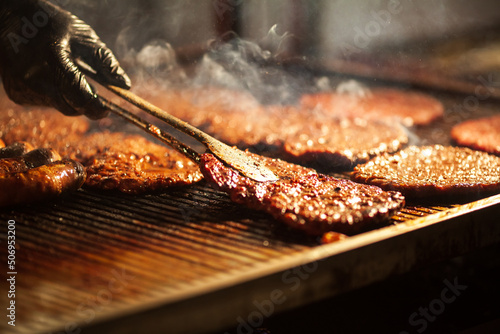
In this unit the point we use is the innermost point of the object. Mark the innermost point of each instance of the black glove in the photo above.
(39, 46)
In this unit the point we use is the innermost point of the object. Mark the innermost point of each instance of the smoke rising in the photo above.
(257, 67)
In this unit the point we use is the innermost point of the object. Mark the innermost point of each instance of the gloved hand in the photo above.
(39, 46)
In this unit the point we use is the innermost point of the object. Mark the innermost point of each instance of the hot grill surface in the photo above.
(92, 257)
(70, 252)
(90, 254)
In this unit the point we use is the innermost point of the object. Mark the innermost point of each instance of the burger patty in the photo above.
(341, 144)
(307, 137)
(481, 134)
(410, 108)
(125, 162)
(419, 172)
(132, 164)
(305, 200)
(42, 128)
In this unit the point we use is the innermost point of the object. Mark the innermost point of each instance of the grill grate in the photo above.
(70, 252)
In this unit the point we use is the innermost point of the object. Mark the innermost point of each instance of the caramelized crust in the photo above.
(419, 172)
(34, 175)
(132, 164)
(42, 128)
(129, 163)
(481, 134)
(305, 200)
(305, 136)
(410, 108)
(341, 144)
(41, 183)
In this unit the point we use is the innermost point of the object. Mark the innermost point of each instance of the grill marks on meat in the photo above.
(132, 164)
(129, 163)
(426, 171)
(410, 108)
(305, 200)
(305, 136)
(481, 134)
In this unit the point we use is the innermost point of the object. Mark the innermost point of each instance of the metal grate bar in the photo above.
(167, 242)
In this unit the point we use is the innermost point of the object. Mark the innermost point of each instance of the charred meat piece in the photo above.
(40, 156)
(36, 175)
(129, 163)
(132, 164)
(14, 150)
(31, 159)
(410, 108)
(42, 128)
(305, 200)
(303, 136)
(40, 183)
(481, 134)
(420, 172)
(340, 144)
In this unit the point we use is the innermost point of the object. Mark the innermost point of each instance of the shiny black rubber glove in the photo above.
(40, 45)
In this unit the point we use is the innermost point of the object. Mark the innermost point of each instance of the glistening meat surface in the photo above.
(305, 136)
(481, 134)
(332, 144)
(34, 175)
(132, 164)
(425, 171)
(126, 162)
(410, 108)
(306, 200)
(42, 128)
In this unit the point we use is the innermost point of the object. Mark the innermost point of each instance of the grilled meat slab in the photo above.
(305, 136)
(113, 161)
(481, 134)
(410, 108)
(305, 200)
(132, 164)
(419, 172)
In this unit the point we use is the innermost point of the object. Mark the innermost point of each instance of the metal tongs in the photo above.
(232, 156)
